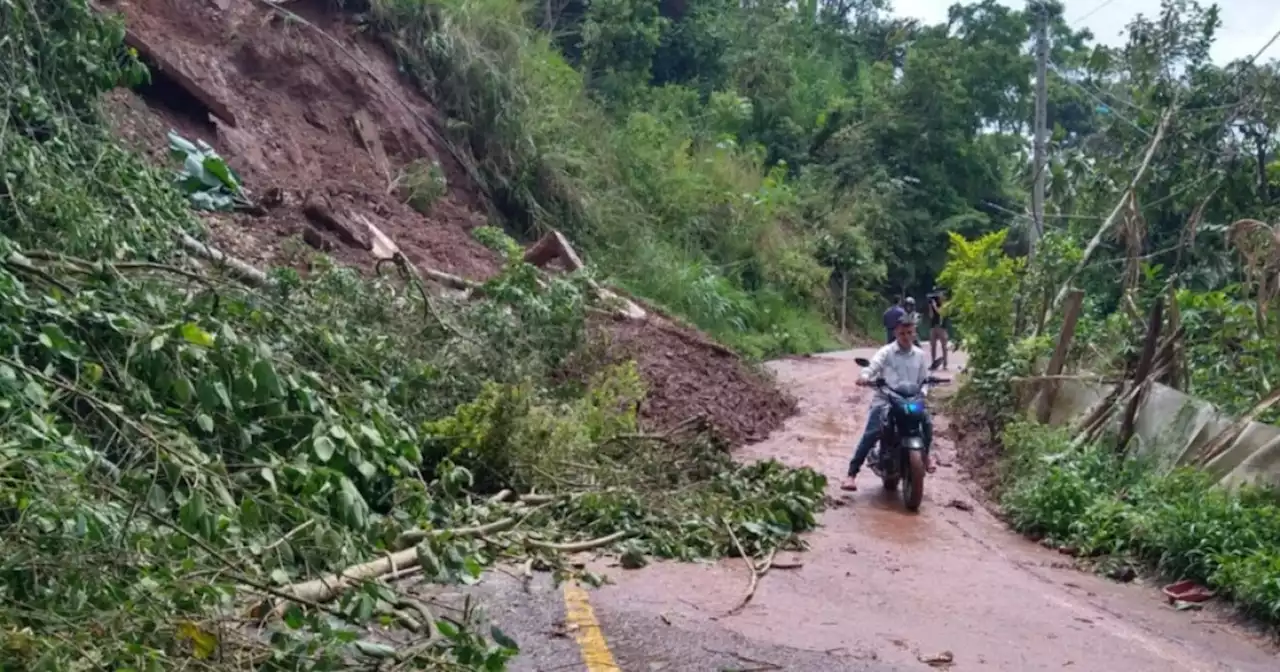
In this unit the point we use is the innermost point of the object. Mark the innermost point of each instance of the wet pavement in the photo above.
(880, 589)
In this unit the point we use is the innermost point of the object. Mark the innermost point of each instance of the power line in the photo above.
(1093, 11)
(1096, 99)
(1265, 47)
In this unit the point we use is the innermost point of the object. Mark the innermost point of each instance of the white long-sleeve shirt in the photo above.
(898, 367)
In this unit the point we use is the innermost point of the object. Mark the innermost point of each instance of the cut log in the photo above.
(1142, 377)
(367, 132)
(1044, 403)
(381, 246)
(243, 271)
(313, 237)
(318, 211)
(554, 246)
(550, 247)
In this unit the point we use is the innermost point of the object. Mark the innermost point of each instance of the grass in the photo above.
(650, 196)
(1178, 524)
(176, 447)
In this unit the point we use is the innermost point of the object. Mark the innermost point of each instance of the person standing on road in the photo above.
(912, 315)
(891, 317)
(900, 363)
(939, 324)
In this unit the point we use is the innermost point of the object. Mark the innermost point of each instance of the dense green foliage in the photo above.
(1193, 234)
(736, 161)
(176, 446)
(1099, 504)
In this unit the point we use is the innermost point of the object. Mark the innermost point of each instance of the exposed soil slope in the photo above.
(320, 114)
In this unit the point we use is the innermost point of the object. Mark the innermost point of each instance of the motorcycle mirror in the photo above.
(863, 361)
(936, 363)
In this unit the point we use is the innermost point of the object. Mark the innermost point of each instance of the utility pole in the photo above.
(1041, 121)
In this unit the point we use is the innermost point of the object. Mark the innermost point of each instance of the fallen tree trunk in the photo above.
(318, 211)
(243, 271)
(1115, 212)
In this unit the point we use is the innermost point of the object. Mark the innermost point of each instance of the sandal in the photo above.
(849, 485)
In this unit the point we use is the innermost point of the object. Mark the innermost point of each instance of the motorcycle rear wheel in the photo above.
(913, 483)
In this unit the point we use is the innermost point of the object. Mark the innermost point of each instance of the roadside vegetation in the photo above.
(1160, 219)
(739, 164)
(183, 452)
(1118, 512)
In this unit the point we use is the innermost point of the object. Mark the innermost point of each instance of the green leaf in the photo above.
(208, 393)
(158, 342)
(205, 422)
(193, 512)
(52, 337)
(183, 390)
(364, 608)
(222, 394)
(502, 639)
(203, 644)
(193, 334)
(472, 569)
(323, 448)
(265, 376)
(355, 509)
(447, 629)
(35, 393)
(374, 649)
(293, 616)
(269, 476)
(180, 146)
(367, 470)
(216, 167)
(372, 435)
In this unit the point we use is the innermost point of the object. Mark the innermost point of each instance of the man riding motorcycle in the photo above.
(899, 363)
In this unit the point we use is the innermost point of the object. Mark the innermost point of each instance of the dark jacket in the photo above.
(892, 316)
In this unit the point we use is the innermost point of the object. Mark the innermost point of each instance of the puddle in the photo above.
(887, 519)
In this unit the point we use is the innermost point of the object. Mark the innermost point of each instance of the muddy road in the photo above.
(879, 589)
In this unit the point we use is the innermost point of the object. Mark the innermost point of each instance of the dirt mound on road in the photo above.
(317, 112)
(688, 378)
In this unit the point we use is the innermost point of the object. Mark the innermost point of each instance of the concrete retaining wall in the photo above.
(1173, 428)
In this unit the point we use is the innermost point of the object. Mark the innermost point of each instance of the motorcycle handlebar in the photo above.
(880, 382)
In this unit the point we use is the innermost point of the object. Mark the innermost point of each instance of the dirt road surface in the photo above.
(879, 590)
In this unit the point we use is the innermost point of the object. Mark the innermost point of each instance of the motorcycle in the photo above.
(900, 455)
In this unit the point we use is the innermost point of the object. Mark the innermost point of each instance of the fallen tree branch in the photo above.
(757, 572)
(302, 526)
(412, 537)
(243, 271)
(1232, 432)
(579, 546)
(1115, 212)
(1086, 377)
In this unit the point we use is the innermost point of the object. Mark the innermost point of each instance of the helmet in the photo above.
(910, 302)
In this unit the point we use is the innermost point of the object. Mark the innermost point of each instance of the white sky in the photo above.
(1246, 24)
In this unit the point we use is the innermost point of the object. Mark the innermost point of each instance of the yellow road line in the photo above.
(581, 620)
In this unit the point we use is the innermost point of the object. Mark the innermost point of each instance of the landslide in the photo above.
(321, 115)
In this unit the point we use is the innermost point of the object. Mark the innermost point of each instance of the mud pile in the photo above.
(314, 114)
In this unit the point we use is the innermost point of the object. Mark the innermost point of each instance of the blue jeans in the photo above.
(875, 428)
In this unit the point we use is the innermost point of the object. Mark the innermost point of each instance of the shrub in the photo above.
(1179, 523)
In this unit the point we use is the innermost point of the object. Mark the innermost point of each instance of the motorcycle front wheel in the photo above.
(913, 481)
